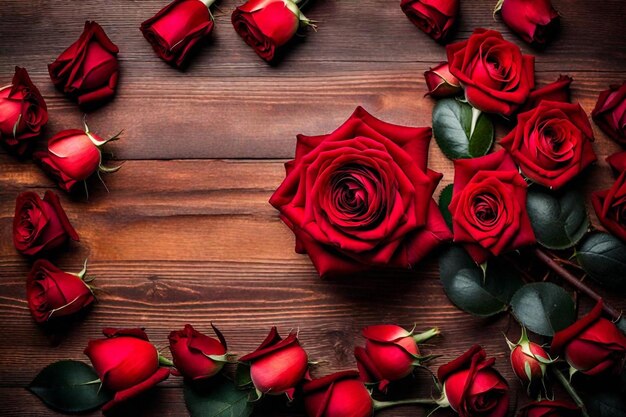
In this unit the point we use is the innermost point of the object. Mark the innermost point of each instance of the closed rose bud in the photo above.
(278, 365)
(197, 356)
(535, 21)
(593, 345)
(338, 395)
(88, 70)
(441, 83)
(610, 112)
(266, 25)
(433, 17)
(73, 156)
(40, 224)
(23, 112)
(529, 361)
(126, 362)
(550, 409)
(177, 28)
(391, 353)
(52, 293)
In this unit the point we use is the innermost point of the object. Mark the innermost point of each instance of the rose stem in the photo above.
(567, 276)
(570, 390)
(380, 405)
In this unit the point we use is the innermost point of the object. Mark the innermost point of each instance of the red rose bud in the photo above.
(472, 387)
(40, 224)
(496, 76)
(610, 112)
(529, 361)
(177, 28)
(126, 362)
(551, 143)
(197, 356)
(610, 207)
(617, 162)
(277, 365)
(88, 69)
(441, 83)
(593, 345)
(391, 353)
(550, 409)
(433, 17)
(23, 112)
(556, 91)
(52, 293)
(73, 156)
(338, 395)
(266, 25)
(535, 21)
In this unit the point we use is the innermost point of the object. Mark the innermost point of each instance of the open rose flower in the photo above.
(52, 293)
(441, 83)
(73, 156)
(535, 21)
(610, 207)
(338, 395)
(359, 197)
(472, 387)
(550, 409)
(23, 112)
(40, 224)
(88, 70)
(391, 353)
(529, 362)
(617, 162)
(433, 17)
(593, 345)
(496, 76)
(558, 90)
(278, 365)
(610, 112)
(196, 355)
(551, 143)
(126, 362)
(177, 28)
(488, 206)
(266, 25)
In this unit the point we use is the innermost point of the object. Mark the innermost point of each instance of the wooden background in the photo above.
(186, 233)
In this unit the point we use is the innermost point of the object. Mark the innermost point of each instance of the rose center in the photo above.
(486, 209)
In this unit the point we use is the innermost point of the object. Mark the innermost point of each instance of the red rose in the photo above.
(40, 224)
(278, 365)
(433, 17)
(441, 83)
(472, 387)
(496, 77)
(556, 91)
(391, 353)
(617, 161)
(88, 69)
(266, 25)
(551, 143)
(23, 112)
(338, 395)
(610, 112)
(73, 155)
(177, 28)
(593, 345)
(357, 198)
(550, 409)
(488, 206)
(529, 360)
(534, 20)
(197, 356)
(52, 293)
(126, 362)
(610, 207)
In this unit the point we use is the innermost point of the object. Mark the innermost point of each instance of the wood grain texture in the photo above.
(186, 233)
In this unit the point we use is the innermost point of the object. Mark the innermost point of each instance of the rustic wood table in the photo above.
(186, 234)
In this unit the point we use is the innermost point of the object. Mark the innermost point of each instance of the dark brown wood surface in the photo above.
(186, 233)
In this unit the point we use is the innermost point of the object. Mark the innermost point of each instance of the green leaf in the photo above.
(472, 291)
(452, 122)
(70, 387)
(621, 324)
(543, 308)
(217, 397)
(559, 220)
(444, 201)
(242, 376)
(603, 256)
